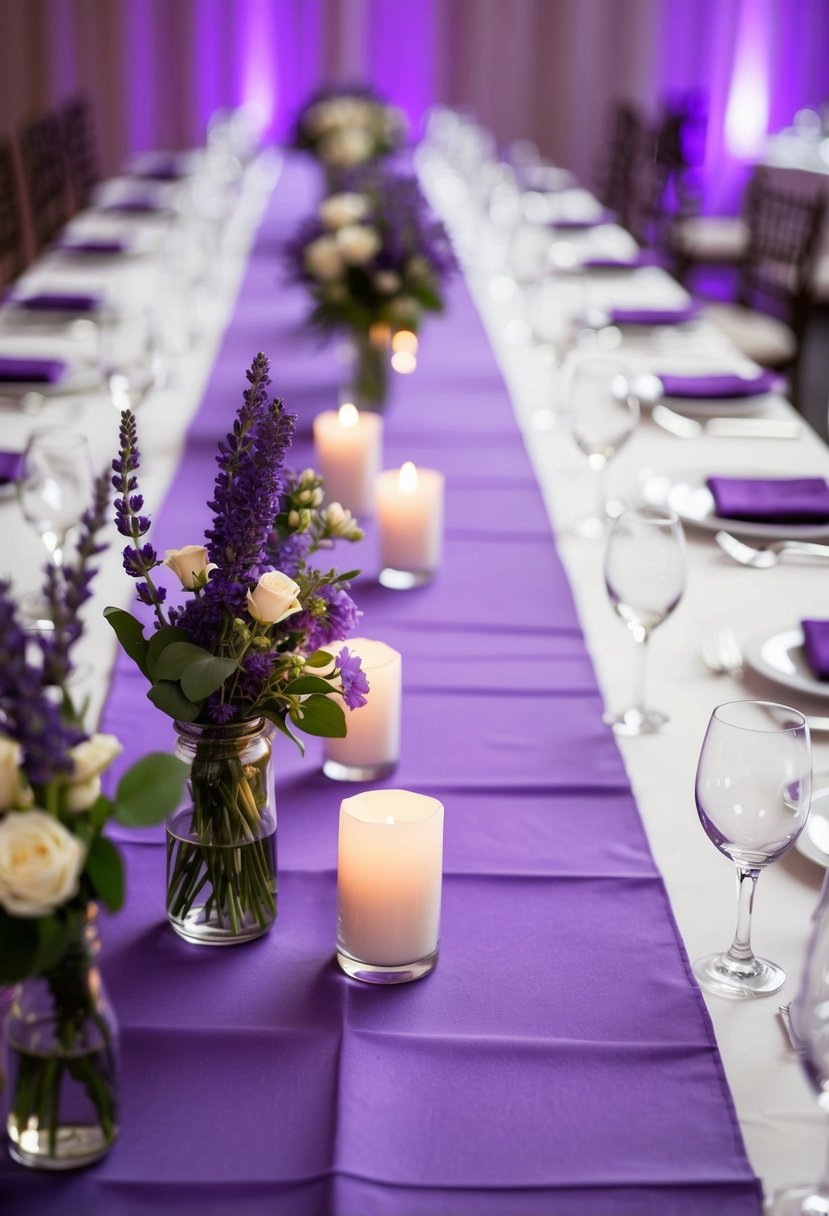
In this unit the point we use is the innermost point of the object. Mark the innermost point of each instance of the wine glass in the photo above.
(129, 356)
(54, 489)
(753, 788)
(645, 578)
(810, 1030)
(604, 414)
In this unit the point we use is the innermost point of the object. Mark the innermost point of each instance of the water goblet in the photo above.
(645, 578)
(129, 357)
(604, 414)
(753, 789)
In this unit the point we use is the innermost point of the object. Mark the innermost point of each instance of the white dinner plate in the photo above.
(689, 496)
(813, 841)
(780, 656)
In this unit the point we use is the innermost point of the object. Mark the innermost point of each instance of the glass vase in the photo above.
(221, 846)
(368, 386)
(62, 1062)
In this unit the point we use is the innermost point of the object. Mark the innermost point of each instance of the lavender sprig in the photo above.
(138, 561)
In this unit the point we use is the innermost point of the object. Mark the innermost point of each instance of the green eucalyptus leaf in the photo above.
(18, 948)
(199, 672)
(175, 659)
(169, 698)
(348, 577)
(105, 870)
(320, 658)
(319, 716)
(150, 790)
(158, 643)
(303, 685)
(130, 634)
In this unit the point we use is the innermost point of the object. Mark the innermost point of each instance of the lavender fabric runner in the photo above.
(816, 645)
(560, 1059)
(794, 500)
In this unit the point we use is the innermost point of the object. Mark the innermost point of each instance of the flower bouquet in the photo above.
(348, 125)
(374, 261)
(243, 654)
(55, 865)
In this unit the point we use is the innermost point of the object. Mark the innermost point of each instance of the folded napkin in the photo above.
(55, 301)
(134, 206)
(93, 245)
(724, 384)
(31, 371)
(577, 222)
(790, 500)
(653, 316)
(816, 645)
(160, 169)
(643, 257)
(11, 465)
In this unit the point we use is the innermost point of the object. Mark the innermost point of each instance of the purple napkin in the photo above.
(644, 257)
(11, 464)
(653, 316)
(722, 385)
(134, 206)
(577, 223)
(54, 301)
(791, 500)
(160, 169)
(816, 645)
(100, 245)
(34, 371)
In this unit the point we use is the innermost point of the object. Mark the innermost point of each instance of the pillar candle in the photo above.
(410, 520)
(372, 746)
(389, 884)
(349, 448)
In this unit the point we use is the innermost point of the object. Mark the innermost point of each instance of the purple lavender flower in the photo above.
(329, 615)
(26, 713)
(138, 562)
(355, 684)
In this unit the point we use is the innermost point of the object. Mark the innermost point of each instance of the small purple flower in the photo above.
(355, 684)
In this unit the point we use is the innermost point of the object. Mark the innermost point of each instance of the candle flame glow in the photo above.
(408, 478)
(404, 362)
(348, 414)
(405, 340)
(390, 819)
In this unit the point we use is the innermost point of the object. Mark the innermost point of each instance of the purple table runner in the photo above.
(560, 1059)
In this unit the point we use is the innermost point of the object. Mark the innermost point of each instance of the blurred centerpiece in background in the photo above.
(344, 126)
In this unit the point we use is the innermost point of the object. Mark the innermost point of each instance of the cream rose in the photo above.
(323, 259)
(387, 282)
(274, 598)
(358, 243)
(90, 759)
(340, 209)
(13, 788)
(190, 564)
(40, 864)
(350, 146)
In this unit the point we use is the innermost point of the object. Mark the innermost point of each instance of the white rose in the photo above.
(13, 789)
(405, 310)
(340, 209)
(40, 864)
(358, 243)
(387, 282)
(274, 598)
(190, 564)
(323, 258)
(339, 520)
(345, 148)
(90, 758)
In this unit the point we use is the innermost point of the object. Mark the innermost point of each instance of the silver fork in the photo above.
(769, 555)
(721, 651)
(724, 428)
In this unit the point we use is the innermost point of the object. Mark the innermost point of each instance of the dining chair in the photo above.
(666, 179)
(12, 242)
(615, 176)
(81, 148)
(775, 288)
(44, 170)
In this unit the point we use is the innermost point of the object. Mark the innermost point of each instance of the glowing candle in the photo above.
(410, 525)
(371, 748)
(389, 885)
(349, 448)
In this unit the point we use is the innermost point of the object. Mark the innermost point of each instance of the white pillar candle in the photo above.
(410, 524)
(389, 885)
(371, 748)
(349, 448)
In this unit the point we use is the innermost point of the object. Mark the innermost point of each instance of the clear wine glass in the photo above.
(129, 356)
(55, 486)
(645, 578)
(604, 414)
(810, 1029)
(753, 789)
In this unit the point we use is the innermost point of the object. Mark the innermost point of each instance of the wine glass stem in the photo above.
(601, 491)
(641, 638)
(740, 949)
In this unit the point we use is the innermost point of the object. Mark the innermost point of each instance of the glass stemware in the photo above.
(645, 578)
(55, 485)
(604, 414)
(810, 1028)
(129, 357)
(753, 789)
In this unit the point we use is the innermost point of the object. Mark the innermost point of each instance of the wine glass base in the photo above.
(36, 613)
(799, 1201)
(592, 528)
(714, 973)
(637, 721)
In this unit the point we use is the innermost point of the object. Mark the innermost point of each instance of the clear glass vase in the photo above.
(368, 385)
(221, 846)
(62, 1062)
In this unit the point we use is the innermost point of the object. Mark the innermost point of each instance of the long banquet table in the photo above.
(560, 1058)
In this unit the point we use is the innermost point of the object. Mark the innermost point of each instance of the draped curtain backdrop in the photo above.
(546, 69)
